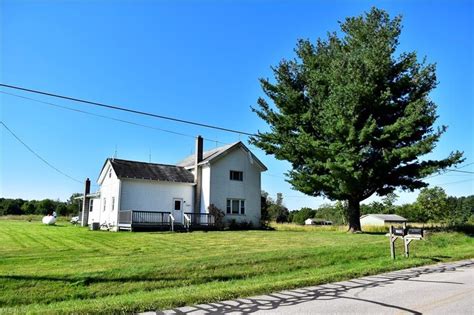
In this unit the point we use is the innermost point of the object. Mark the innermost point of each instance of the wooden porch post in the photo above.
(85, 203)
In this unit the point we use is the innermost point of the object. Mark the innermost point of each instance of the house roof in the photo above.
(387, 217)
(215, 154)
(150, 171)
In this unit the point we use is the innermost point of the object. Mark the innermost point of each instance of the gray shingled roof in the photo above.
(208, 155)
(151, 171)
(387, 217)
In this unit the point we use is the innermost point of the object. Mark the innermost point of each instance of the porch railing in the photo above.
(125, 217)
(187, 221)
(205, 219)
(139, 217)
(171, 219)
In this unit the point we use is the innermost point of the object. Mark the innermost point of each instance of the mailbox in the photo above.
(415, 232)
(399, 231)
(405, 234)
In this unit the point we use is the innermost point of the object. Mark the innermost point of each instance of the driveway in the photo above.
(446, 288)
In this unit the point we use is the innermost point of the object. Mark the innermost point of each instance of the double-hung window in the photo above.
(235, 206)
(236, 175)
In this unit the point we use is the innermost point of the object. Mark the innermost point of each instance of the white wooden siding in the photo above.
(109, 187)
(371, 220)
(222, 188)
(205, 189)
(149, 195)
(94, 215)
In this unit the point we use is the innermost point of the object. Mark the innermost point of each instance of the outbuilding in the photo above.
(317, 222)
(309, 222)
(381, 219)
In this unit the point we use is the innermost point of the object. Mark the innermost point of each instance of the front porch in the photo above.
(164, 221)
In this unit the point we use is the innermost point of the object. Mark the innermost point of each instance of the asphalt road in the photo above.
(438, 289)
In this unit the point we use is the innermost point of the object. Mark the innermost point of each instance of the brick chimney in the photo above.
(85, 203)
(198, 174)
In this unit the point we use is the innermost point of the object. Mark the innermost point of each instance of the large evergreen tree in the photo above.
(352, 116)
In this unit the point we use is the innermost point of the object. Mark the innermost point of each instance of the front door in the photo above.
(178, 210)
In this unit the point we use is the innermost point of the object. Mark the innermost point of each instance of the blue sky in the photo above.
(196, 60)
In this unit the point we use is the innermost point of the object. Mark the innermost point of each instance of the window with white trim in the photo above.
(104, 204)
(91, 205)
(236, 175)
(113, 203)
(235, 206)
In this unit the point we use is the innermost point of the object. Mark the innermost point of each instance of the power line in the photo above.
(106, 117)
(467, 172)
(119, 108)
(456, 182)
(37, 155)
(465, 165)
(453, 170)
(151, 115)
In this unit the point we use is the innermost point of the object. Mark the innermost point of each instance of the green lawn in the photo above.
(70, 269)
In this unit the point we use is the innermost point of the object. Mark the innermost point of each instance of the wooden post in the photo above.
(198, 175)
(407, 246)
(85, 203)
(392, 243)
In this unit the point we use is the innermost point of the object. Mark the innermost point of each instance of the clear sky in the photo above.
(196, 60)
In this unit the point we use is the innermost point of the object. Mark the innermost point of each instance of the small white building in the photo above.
(309, 222)
(317, 222)
(381, 219)
(138, 194)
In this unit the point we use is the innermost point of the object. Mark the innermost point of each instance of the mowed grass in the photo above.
(68, 269)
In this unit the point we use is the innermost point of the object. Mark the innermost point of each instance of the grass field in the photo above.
(64, 269)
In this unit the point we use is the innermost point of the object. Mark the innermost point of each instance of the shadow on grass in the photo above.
(436, 259)
(334, 291)
(374, 233)
(91, 280)
(272, 301)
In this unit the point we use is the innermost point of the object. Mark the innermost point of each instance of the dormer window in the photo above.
(236, 175)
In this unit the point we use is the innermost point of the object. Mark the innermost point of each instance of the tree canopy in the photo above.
(351, 116)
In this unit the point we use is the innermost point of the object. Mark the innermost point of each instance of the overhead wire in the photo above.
(456, 182)
(106, 117)
(442, 173)
(151, 115)
(119, 108)
(37, 155)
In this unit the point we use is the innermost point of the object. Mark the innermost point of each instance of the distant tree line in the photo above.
(274, 210)
(41, 207)
(431, 205)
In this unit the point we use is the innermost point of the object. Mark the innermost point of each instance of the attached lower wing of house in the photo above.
(136, 194)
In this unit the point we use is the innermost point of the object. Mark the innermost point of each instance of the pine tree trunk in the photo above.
(354, 216)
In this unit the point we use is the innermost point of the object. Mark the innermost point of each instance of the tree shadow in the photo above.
(374, 233)
(271, 301)
(323, 292)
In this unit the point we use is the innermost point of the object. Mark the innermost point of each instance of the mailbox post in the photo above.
(407, 235)
(395, 233)
(412, 234)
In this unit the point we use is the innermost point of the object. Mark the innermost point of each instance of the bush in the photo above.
(218, 215)
(234, 225)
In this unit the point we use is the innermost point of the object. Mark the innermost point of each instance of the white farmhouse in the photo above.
(380, 219)
(137, 194)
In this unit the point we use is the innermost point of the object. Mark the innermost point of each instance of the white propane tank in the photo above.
(49, 220)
